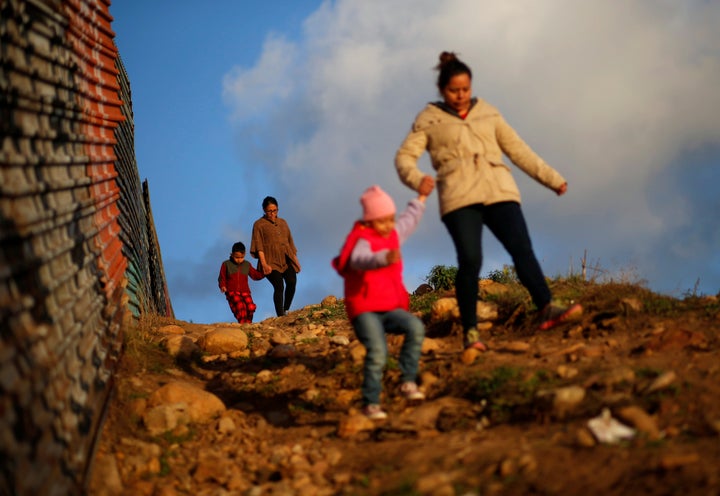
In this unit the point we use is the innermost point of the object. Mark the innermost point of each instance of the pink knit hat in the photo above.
(376, 203)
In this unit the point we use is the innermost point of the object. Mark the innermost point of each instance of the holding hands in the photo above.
(426, 186)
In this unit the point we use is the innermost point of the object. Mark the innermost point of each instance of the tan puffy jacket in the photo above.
(468, 157)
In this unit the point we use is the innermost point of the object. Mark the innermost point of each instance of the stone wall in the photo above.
(79, 257)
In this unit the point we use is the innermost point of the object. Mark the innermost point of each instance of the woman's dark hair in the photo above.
(238, 247)
(269, 200)
(449, 67)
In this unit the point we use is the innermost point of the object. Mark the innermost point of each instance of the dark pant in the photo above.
(505, 220)
(282, 296)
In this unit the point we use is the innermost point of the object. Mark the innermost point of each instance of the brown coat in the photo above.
(275, 240)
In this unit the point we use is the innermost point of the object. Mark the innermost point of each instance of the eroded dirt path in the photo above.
(514, 421)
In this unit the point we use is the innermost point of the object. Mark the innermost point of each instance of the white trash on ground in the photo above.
(606, 429)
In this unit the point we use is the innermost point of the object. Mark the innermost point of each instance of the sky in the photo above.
(307, 101)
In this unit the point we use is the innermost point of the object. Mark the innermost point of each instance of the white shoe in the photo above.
(411, 392)
(374, 412)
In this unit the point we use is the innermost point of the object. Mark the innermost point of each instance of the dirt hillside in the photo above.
(515, 420)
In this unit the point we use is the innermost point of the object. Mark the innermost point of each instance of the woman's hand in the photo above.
(562, 189)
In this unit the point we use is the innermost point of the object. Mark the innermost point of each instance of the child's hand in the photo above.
(427, 184)
(223, 289)
(393, 256)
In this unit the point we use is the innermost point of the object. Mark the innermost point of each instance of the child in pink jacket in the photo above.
(376, 300)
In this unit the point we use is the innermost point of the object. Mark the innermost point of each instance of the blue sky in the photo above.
(307, 101)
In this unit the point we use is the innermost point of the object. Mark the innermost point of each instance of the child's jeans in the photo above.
(370, 329)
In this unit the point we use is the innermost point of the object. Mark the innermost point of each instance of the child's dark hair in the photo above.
(238, 247)
(449, 67)
(269, 200)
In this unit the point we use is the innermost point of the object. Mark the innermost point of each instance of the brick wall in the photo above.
(79, 256)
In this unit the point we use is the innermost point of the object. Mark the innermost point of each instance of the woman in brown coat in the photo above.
(272, 244)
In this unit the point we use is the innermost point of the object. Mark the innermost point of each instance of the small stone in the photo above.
(585, 438)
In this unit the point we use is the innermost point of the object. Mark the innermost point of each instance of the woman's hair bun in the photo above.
(446, 57)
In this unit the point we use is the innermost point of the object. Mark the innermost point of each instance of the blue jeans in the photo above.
(506, 221)
(370, 329)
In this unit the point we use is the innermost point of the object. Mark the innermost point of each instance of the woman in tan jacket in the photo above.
(466, 138)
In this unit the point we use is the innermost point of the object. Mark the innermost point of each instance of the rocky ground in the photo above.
(625, 400)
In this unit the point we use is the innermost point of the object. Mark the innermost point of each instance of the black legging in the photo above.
(282, 296)
(505, 220)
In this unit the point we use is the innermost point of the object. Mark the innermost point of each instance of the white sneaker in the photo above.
(411, 392)
(374, 412)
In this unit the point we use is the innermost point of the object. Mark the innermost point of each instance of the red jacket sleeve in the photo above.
(222, 278)
(255, 274)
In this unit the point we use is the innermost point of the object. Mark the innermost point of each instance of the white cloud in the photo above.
(251, 91)
(613, 94)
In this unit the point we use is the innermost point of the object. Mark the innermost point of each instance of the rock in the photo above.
(329, 301)
(489, 287)
(223, 340)
(564, 399)
(591, 352)
(427, 379)
(672, 461)
(444, 309)
(283, 351)
(567, 398)
(423, 289)
(310, 394)
(585, 438)
(164, 418)
(354, 424)
(566, 372)
(202, 406)
(280, 337)
(469, 355)
(180, 346)
(264, 376)
(435, 484)
(429, 415)
(513, 347)
(357, 352)
(507, 467)
(641, 420)
(662, 381)
(140, 459)
(677, 339)
(106, 479)
(137, 407)
(212, 467)
(171, 329)
(226, 425)
(631, 305)
(527, 463)
(340, 340)
(430, 345)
